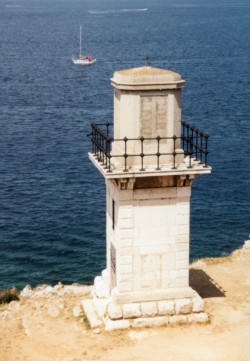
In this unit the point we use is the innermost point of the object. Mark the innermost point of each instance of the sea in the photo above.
(52, 198)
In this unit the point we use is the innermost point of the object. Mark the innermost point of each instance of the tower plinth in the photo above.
(149, 159)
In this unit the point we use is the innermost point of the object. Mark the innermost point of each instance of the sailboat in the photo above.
(83, 59)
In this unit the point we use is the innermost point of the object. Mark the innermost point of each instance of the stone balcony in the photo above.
(185, 156)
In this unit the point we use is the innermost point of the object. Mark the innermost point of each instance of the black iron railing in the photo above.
(193, 141)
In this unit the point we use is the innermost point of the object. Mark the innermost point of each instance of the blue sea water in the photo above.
(52, 199)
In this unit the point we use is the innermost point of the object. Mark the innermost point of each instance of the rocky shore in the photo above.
(48, 323)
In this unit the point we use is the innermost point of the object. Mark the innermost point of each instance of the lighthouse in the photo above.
(149, 158)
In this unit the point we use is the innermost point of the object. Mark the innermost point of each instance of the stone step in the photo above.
(90, 313)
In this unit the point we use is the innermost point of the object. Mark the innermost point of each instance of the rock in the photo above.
(246, 245)
(101, 305)
(77, 311)
(25, 324)
(201, 317)
(60, 305)
(198, 264)
(149, 309)
(100, 288)
(117, 325)
(166, 308)
(26, 292)
(97, 331)
(198, 304)
(53, 311)
(183, 306)
(49, 290)
(114, 311)
(150, 322)
(78, 289)
(132, 310)
(90, 313)
(105, 275)
(178, 319)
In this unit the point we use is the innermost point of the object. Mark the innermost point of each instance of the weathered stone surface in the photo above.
(191, 318)
(117, 325)
(149, 309)
(77, 289)
(26, 325)
(105, 275)
(90, 313)
(183, 306)
(59, 289)
(96, 331)
(101, 289)
(201, 317)
(132, 310)
(150, 322)
(77, 311)
(246, 245)
(101, 305)
(53, 311)
(178, 319)
(26, 292)
(166, 308)
(198, 304)
(114, 311)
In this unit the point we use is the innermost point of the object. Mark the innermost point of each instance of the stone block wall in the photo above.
(149, 232)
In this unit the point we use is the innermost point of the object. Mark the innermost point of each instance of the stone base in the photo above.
(114, 315)
(159, 321)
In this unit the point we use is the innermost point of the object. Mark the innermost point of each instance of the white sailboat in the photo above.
(83, 59)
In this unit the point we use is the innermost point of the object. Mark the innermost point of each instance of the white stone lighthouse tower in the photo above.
(149, 158)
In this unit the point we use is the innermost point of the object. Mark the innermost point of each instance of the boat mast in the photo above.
(80, 40)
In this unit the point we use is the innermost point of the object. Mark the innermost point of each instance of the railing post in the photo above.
(158, 152)
(196, 142)
(174, 152)
(201, 149)
(142, 154)
(184, 128)
(206, 151)
(109, 164)
(125, 154)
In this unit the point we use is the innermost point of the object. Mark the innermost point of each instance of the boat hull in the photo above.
(83, 61)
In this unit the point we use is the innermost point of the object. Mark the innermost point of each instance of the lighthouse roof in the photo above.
(146, 77)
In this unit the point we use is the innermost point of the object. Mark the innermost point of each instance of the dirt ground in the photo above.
(51, 327)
